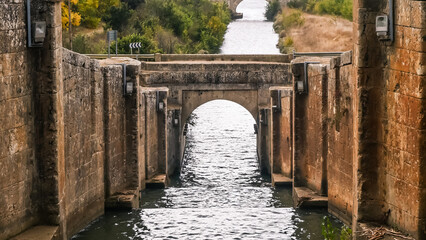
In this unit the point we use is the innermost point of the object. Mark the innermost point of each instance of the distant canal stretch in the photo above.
(220, 193)
(252, 34)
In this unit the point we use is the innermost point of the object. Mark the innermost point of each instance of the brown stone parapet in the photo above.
(223, 57)
(217, 73)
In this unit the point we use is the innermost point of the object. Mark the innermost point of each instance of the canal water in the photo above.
(220, 193)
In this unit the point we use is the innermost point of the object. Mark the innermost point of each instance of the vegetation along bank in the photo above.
(162, 26)
(312, 25)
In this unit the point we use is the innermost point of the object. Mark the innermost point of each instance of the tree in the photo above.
(75, 16)
(92, 11)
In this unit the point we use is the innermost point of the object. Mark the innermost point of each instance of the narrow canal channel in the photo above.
(220, 193)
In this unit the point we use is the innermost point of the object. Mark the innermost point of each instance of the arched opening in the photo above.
(220, 149)
(247, 99)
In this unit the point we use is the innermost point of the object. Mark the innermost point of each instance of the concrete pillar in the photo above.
(282, 131)
(174, 126)
(264, 140)
(368, 57)
(49, 111)
(310, 128)
(155, 131)
(389, 127)
(134, 148)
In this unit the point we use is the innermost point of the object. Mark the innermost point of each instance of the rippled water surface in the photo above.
(252, 34)
(220, 193)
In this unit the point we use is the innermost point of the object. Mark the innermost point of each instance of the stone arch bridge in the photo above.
(232, 4)
(182, 86)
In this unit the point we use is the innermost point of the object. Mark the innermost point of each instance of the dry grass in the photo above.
(322, 34)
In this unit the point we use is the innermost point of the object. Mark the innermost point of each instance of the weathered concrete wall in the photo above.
(56, 106)
(19, 177)
(101, 136)
(219, 73)
(135, 129)
(282, 131)
(84, 139)
(310, 157)
(32, 149)
(390, 117)
(115, 137)
(155, 138)
(174, 144)
(323, 137)
(340, 139)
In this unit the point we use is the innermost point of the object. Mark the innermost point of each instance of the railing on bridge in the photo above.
(158, 57)
(147, 57)
(286, 58)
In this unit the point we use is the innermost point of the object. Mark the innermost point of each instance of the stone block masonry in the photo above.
(310, 119)
(19, 176)
(101, 133)
(84, 139)
(389, 131)
(64, 127)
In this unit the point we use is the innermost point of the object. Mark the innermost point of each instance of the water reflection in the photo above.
(220, 193)
(252, 34)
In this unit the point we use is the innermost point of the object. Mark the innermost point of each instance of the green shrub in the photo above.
(341, 8)
(334, 7)
(87, 44)
(329, 232)
(286, 45)
(301, 4)
(291, 19)
(117, 17)
(169, 26)
(288, 42)
(272, 10)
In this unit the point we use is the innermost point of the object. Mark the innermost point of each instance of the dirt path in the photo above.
(322, 34)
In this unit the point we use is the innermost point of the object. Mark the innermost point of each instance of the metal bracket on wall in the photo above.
(127, 86)
(277, 107)
(303, 86)
(36, 31)
(391, 26)
(159, 102)
(264, 116)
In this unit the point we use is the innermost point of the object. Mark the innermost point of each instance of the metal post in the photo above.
(391, 26)
(139, 51)
(29, 22)
(124, 79)
(109, 46)
(116, 44)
